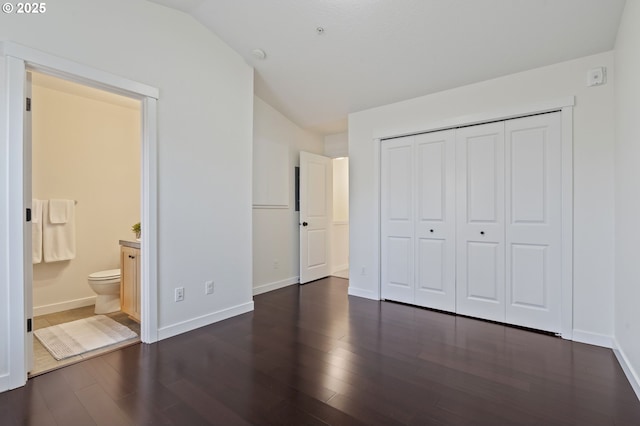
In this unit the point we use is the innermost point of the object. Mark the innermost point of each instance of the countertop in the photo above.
(132, 244)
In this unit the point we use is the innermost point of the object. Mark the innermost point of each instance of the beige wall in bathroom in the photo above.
(86, 147)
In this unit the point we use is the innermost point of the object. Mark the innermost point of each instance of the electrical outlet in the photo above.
(276, 264)
(208, 287)
(179, 294)
(363, 271)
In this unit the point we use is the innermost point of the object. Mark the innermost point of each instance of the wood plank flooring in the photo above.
(311, 355)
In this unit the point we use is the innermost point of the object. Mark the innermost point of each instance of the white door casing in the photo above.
(28, 230)
(480, 260)
(397, 219)
(533, 153)
(316, 207)
(18, 60)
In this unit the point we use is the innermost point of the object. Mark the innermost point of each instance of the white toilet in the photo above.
(106, 284)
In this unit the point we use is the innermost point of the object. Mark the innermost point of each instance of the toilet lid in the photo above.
(105, 275)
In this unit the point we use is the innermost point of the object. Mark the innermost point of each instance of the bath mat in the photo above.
(77, 337)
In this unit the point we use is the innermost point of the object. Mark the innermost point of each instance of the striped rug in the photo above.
(77, 337)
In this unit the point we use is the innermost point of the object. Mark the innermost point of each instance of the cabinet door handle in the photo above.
(431, 230)
(481, 232)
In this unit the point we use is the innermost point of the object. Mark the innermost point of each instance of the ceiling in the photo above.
(375, 52)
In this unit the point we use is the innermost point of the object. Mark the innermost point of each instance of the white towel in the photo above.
(36, 230)
(59, 239)
(59, 210)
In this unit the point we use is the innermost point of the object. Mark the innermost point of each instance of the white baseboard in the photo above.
(192, 324)
(63, 306)
(263, 288)
(358, 292)
(595, 339)
(4, 382)
(629, 371)
(340, 268)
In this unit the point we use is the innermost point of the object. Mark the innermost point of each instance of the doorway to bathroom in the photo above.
(86, 208)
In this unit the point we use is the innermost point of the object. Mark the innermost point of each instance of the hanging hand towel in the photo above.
(36, 230)
(59, 210)
(59, 231)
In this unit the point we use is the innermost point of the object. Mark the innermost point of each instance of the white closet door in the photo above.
(435, 283)
(480, 221)
(533, 217)
(397, 219)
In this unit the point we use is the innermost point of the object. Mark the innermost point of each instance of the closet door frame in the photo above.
(565, 107)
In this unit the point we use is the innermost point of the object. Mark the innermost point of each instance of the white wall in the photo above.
(593, 173)
(336, 145)
(205, 121)
(627, 189)
(276, 233)
(88, 150)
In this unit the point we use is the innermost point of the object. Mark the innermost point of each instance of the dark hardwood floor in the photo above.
(310, 355)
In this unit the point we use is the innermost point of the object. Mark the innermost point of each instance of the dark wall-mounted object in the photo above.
(297, 190)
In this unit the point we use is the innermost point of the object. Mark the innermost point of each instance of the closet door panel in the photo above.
(533, 221)
(480, 221)
(435, 220)
(397, 219)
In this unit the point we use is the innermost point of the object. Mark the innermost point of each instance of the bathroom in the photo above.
(85, 149)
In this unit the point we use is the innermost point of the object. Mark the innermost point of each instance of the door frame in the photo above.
(565, 107)
(18, 60)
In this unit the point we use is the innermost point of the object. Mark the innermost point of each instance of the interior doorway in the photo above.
(17, 60)
(324, 217)
(85, 164)
(340, 223)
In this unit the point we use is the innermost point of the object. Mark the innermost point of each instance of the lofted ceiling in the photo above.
(375, 52)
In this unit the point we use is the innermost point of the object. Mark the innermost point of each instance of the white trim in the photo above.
(149, 210)
(340, 268)
(79, 73)
(204, 320)
(18, 59)
(16, 74)
(358, 292)
(479, 118)
(590, 338)
(264, 288)
(632, 375)
(566, 107)
(566, 307)
(4, 382)
(63, 306)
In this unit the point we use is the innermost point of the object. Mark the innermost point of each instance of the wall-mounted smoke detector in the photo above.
(258, 54)
(596, 76)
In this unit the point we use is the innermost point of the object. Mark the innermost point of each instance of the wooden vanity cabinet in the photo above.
(130, 281)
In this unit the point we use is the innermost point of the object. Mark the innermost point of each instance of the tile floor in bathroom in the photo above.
(43, 362)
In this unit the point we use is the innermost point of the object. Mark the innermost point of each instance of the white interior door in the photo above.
(316, 205)
(397, 219)
(533, 152)
(480, 221)
(435, 281)
(28, 256)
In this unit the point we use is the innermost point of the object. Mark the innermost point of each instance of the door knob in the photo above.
(304, 223)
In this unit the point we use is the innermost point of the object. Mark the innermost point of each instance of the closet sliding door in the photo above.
(418, 220)
(435, 224)
(534, 221)
(397, 219)
(480, 257)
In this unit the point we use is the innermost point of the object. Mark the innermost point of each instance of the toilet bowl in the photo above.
(106, 284)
